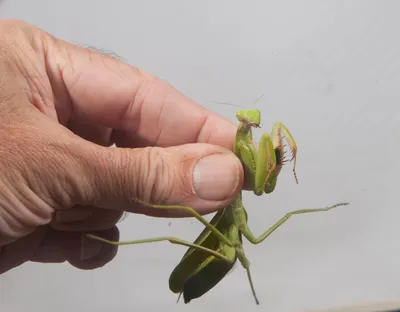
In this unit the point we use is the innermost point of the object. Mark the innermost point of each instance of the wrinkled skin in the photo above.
(61, 108)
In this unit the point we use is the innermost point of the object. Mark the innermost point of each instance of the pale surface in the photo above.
(330, 70)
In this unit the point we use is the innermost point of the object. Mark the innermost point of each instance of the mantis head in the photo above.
(249, 117)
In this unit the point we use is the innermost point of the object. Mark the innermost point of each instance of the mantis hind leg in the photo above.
(253, 291)
(195, 214)
(172, 240)
(252, 239)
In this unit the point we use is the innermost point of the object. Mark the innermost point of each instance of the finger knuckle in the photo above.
(154, 174)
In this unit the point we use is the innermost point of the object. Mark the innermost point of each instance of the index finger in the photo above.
(140, 108)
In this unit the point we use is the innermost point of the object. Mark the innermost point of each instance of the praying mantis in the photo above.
(213, 254)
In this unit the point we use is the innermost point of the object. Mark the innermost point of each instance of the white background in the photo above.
(330, 70)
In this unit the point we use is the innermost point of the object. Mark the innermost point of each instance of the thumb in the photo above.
(203, 176)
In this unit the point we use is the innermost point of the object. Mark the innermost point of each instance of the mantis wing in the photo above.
(213, 269)
(198, 271)
(195, 260)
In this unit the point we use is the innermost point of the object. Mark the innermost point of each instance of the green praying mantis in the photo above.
(213, 254)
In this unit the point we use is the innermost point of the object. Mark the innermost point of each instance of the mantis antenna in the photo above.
(239, 105)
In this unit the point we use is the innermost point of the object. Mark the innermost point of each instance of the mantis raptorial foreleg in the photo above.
(262, 166)
(277, 130)
(172, 240)
(252, 239)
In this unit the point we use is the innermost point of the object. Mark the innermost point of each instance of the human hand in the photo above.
(61, 108)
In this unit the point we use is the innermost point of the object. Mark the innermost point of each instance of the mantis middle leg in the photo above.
(252, 239)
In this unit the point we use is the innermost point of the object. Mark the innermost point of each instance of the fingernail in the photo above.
(216, 177)
(90, 248)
